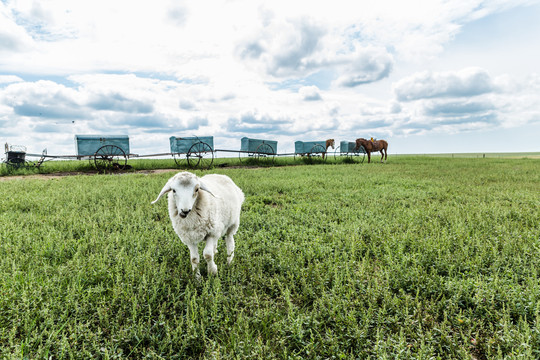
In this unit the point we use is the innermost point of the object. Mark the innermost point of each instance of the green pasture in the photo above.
(419, 258)
(134, 164)
(52, 166)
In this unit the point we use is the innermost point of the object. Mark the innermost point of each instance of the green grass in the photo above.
(416, 259)
(85, 166)
(511, 155)
(138, 164)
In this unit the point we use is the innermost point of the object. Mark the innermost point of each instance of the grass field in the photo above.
(137, 164)
(420, 258)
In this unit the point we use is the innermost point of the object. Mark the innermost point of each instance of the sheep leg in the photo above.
(229, 242)
(209, 251)
(194, 255)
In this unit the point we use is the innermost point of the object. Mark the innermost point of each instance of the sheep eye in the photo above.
(174, 191)
(197, 190)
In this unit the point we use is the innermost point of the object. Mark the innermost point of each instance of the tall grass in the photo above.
(419, 258)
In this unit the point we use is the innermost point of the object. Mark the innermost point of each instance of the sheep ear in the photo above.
(205, 188)
(165, 190)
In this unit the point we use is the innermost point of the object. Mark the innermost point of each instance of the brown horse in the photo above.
(371, 146)
(329, 142)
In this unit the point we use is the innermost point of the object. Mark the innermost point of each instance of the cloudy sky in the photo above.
(430, 76)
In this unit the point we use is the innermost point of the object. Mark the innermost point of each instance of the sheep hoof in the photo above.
(212, 269)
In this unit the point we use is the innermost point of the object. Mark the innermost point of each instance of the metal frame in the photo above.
(15, 156)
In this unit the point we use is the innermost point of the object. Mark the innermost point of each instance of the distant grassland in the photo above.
(136, 164)
(511, 155)
(423, 257)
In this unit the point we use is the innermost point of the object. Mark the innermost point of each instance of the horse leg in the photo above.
(382, 156)
(368, 157)
(385, 154)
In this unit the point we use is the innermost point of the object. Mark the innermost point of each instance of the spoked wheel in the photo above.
(246, 157)
(201, 155)
(264, 154)
(362, 157)
(317, 152)
(110, 157)
(361, 153)
(17, 163)
(337, 153)
(180, 159)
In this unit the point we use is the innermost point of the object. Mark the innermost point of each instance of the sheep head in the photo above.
(185, 188)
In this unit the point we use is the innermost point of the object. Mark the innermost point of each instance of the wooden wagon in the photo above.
(310, 148)
(257, 149)
(104, 151)
(348, 150)
(195, 151)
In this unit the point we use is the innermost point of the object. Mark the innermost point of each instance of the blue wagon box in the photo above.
(252, 145)
(88, 145)
(181, 145)
(349, 146)
(306, 147)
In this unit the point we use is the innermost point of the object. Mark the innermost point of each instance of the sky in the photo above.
(428, 76)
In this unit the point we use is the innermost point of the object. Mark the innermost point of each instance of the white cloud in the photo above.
(7, 79)
(460, 107)
(366, 65)
(466, 82)
(44, 99)
(284, 47)
(310, 93)
(13, 38)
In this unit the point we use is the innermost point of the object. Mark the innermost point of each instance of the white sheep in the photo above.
(204, 209)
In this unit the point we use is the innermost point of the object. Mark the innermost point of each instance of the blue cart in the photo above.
(348, 150)
(310, 149)
(258, 150)
(104, 151)
(194, 151)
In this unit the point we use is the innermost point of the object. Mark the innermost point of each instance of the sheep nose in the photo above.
(184, 213)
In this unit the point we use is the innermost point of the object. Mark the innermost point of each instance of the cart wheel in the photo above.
(180, 159)
(337, 153)
(246, 157)
(110, 157)
(317, 151)
(361, 153)
(201, 155)
(264, 154)
(17, 163)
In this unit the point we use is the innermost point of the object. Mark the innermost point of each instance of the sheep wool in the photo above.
(204, 209)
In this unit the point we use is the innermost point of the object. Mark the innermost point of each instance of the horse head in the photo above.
(360, 142)
(330, 142)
